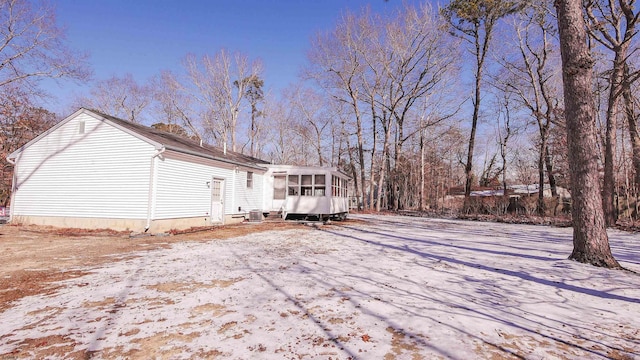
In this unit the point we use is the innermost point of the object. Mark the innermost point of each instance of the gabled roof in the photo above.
(163, 139)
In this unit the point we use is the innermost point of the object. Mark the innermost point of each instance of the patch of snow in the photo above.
(392, 286)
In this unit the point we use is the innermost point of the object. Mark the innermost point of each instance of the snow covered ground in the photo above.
(390, 287)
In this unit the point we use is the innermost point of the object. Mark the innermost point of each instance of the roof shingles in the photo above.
(184, 145)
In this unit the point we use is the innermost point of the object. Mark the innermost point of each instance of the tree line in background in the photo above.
(415, 105)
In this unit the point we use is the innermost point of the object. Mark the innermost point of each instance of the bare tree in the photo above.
(32, 46)
(20, 121)
(337, 65)
(590, 240)
(383, 68)
(217, 84)
(174, 104)
(286, 145)
(474, 21)
(254, 95)
(121, 97)
(506, 131)
(613, 25)
(417, 65)
(633, 116)
(437, 146)
(313, 122)
(532, 77)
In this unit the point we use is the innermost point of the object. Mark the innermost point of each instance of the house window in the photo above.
(319, 188)
(294, 185)
(279, 187)
(338, 187)
(307, 185)
(249, 180)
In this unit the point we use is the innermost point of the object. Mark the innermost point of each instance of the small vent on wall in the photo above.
(81, 127)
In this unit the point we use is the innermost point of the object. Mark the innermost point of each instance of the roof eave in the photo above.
(211, 157)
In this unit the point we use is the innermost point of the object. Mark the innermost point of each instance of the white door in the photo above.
(217, 201)
(279, 192)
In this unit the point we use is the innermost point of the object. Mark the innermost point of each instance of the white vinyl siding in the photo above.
(102, 172)
(248, 198)
(182, 191)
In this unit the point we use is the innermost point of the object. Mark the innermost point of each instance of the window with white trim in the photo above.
(307, 185)
(338, 186)
(249, 180)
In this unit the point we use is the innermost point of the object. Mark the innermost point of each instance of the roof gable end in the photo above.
(157, 138)
(58, 125)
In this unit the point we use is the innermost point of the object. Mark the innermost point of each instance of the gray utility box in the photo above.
(255, 215)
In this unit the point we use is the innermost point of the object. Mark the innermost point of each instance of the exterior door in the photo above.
(217, 201)
(279, 192)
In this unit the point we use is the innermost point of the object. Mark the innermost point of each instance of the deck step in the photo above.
(274, 216)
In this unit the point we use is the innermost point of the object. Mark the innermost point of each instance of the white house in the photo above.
(93, 170)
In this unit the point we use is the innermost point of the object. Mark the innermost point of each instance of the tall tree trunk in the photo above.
(552, 180)
(421, 206)
(372, 180)
(319, 147)
(385, 166)
(234, 122)
(632, 122)
(468, 167)
(541, 205)
(390, 182)
(352, 166)
(608, 190)
(590, 240)
(550, 176)
(360, 148)
(254, 112)
(482, 45)
(397, 166)
(544, 163)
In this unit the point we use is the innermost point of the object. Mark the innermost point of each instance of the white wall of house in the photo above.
(182, 189)
(183, 186)
(248, 198)
(99, 172)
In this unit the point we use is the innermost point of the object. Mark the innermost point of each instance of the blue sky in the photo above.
(143, 37)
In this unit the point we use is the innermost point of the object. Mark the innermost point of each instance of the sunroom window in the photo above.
(307, 185)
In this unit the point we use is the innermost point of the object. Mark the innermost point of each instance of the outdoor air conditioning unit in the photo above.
(255, 215)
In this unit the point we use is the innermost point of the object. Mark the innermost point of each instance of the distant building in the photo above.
(512, 191)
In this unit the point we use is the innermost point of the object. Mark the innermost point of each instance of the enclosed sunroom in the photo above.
(306, 192)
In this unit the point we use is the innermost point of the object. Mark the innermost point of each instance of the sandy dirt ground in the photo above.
(32, 258)
(373, 287)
